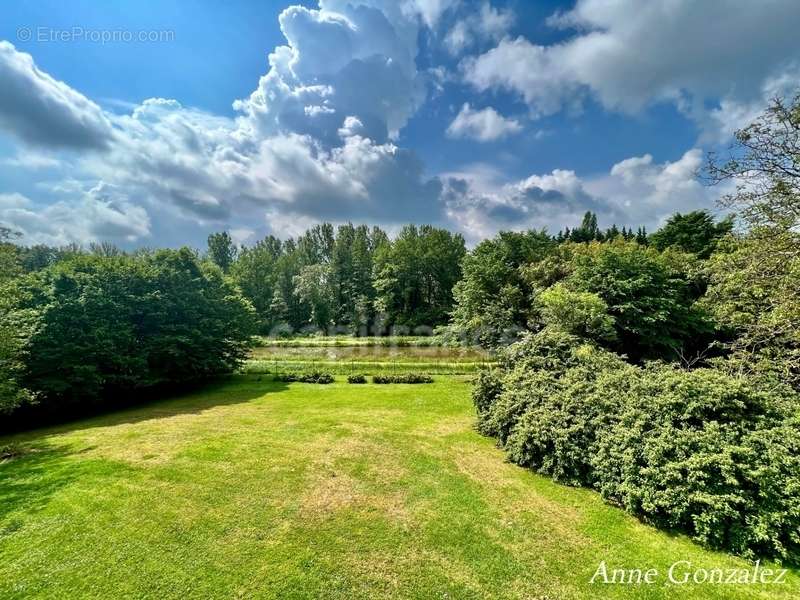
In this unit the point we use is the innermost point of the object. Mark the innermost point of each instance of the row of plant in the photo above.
(325, 378)
(701, 451)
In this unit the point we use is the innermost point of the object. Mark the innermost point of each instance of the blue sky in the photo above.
(266, 117)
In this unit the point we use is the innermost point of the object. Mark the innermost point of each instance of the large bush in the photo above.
(702, 451)
(102, 327)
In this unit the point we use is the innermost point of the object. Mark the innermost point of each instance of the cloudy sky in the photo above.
(155, 122)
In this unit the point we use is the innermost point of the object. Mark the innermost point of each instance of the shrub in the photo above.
(405, 378)
(702, 451)
(312, 377)
(709, 454)
(356, 379)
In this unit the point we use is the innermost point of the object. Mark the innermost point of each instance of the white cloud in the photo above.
(313, 141)
(102, 213)
(40, 110)
(429, 10)
(628, 55)
(484, 125)
(317, 138)
(488, 24)
(26, 159)
(636, 191)
(348, 58)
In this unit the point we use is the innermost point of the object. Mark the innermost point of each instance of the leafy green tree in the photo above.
(108, 326)
(313, 287)
(765, 164)
(588, 231)
(415, 275)
(13, 336)
(221, 250)
(649, 297)
(694, 232)
(257, 273)
(10, 266)
(754, 282)
(493, 298)
(754, 292)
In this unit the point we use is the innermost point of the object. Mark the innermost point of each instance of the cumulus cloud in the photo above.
(636, 191)
(317, 138)
(313, 141)
(102, 213)
(484, 125)
(489, 24)
(628, 55)
(348, 58)
(40, 110)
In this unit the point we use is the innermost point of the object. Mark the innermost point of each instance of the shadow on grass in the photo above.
(195, 399)
(32, 475)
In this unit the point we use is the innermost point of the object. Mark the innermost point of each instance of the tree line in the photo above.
(346, 279)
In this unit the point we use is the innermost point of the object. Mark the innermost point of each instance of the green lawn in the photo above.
(259, 489)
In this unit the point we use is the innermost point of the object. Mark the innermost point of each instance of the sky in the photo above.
(154, 123)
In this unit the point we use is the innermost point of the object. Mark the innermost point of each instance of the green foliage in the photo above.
(403, 378)
(415, 275)
(754, 288)
(754, 292)
(765, 166)
(356, 379)
(257, 273)
(493, 297)
(694, 232)
(714, 455)
(221, 250)
(114, 325)
(648, 294)
(584, 314)
(702, 451)
(10, 265)
(311, 377)
(13, 334)
(312, 286)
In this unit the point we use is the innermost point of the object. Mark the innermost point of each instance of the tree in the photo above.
(493, 299)
(9, 255)
(107, 327)
(754, 286)
(221, 250)
(579, 313)
(647, 293)
(765, 164)
(694, 232)
(313, 287)
(13, 336)
(257, 273)
(588, 230)
(415, 275)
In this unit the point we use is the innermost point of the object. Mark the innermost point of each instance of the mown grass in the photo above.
(261, 489)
